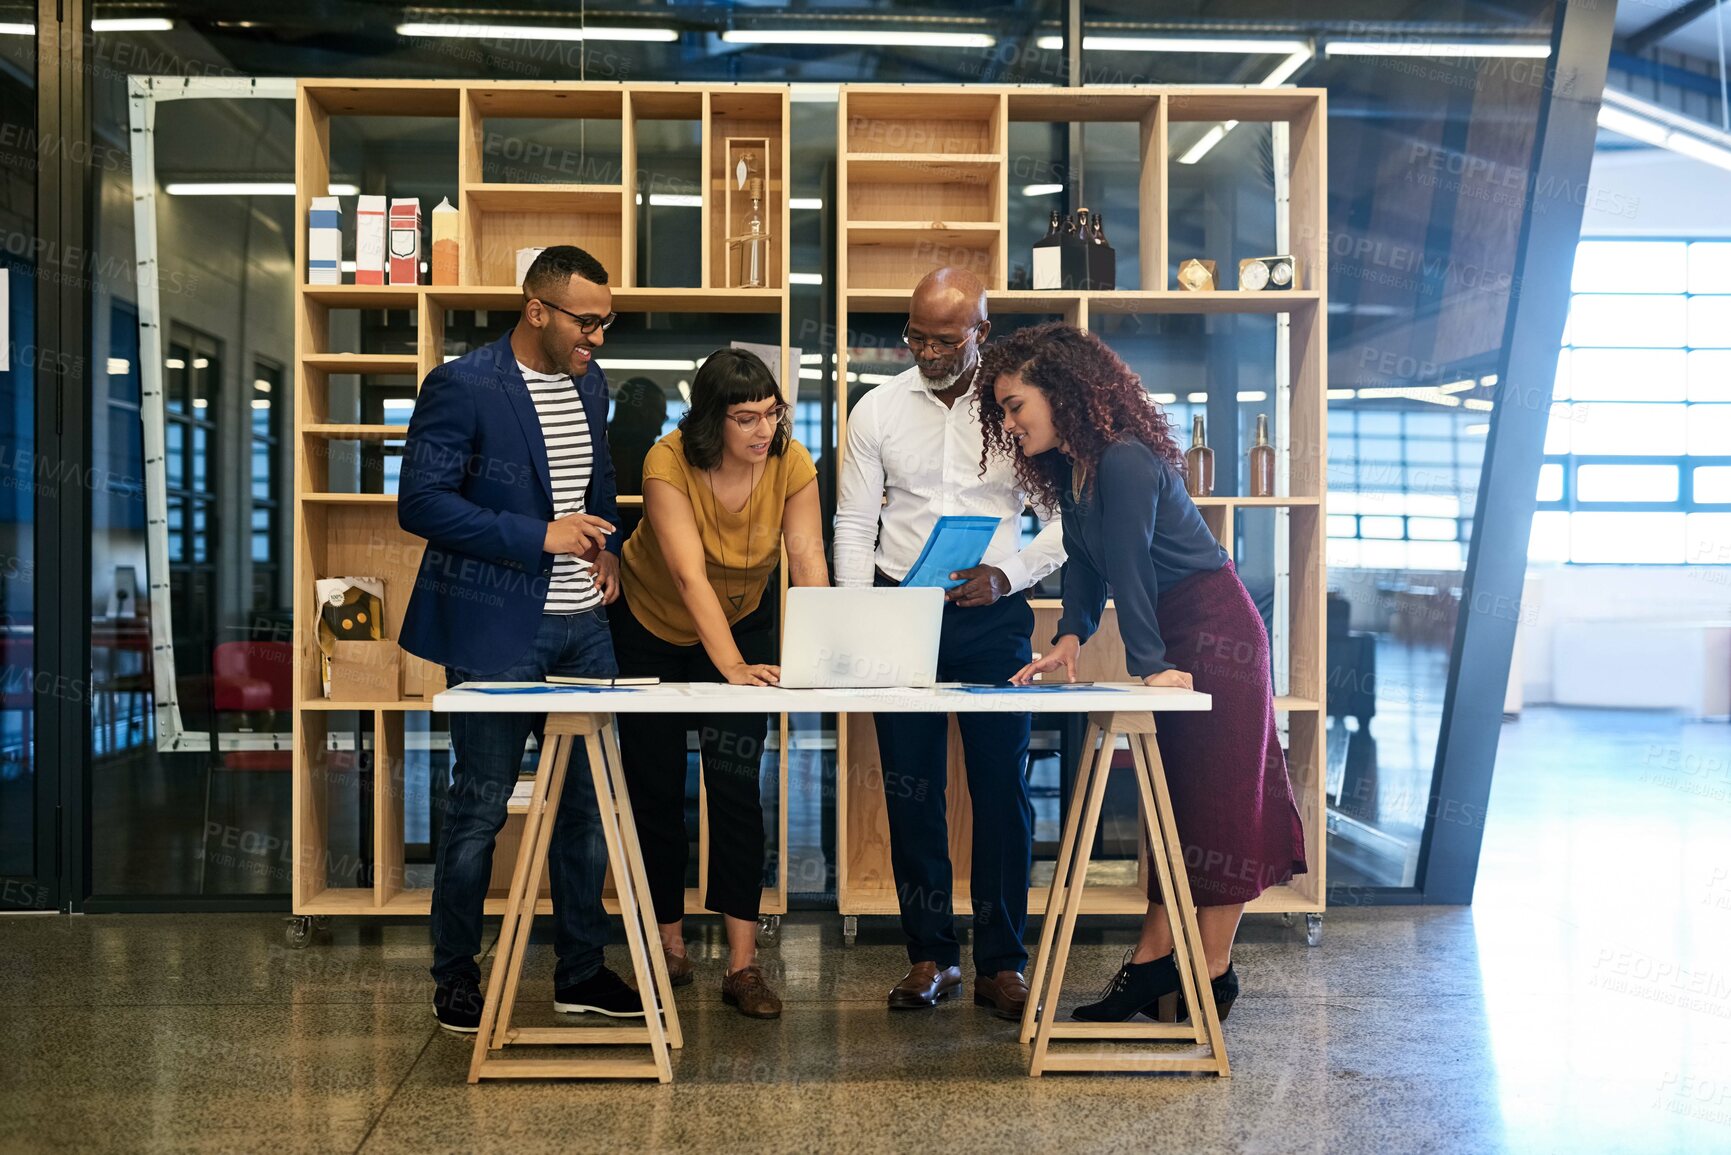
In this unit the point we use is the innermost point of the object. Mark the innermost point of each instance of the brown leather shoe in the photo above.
(679, 969)
(745, 989)
(924, 984)
(1005, 992)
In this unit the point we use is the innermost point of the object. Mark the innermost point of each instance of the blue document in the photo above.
(957, 543)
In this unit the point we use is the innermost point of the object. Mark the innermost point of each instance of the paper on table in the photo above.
(550, 688)
(956, 543)
(1042, 688)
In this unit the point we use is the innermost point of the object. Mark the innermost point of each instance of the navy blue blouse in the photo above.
(1136, 532)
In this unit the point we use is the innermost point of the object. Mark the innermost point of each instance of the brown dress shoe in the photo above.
(745, 989)
(1005, 992)
(924, 984)
(679, 969)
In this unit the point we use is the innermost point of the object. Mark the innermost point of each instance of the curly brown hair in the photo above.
(1096, 401)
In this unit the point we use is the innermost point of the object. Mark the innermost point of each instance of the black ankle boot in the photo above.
(1136, 987)
(1177, 1009)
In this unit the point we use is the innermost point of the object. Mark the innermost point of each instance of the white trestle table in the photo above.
(581, 713)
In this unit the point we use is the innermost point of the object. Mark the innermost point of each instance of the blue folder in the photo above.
(956, 543)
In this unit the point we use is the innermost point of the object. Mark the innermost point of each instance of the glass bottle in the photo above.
(752, 272)
(1262, 461)
(1046, 255)
(1198, 462)
(1102, 261)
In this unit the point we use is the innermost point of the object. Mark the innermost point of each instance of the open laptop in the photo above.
(861, 637)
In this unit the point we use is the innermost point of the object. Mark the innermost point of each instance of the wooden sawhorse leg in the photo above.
(660, 1029)
(1207, 1050)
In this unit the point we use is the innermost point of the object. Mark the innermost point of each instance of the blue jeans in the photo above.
(489, 755)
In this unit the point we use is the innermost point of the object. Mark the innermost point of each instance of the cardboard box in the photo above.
(369, 671)
(370, 241)
(325, 242)
(446, 246)
(405, 241)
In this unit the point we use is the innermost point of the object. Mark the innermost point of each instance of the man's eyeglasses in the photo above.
(587, 323)
(918, 343)
(750, 421)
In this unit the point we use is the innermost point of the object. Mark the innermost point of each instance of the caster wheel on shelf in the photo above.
(849, 929)
(768, 930)
(298, 932)
(1313, 929)
(1286, 918)
(321, 923)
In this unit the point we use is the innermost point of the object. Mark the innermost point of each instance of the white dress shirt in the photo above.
(925, 455)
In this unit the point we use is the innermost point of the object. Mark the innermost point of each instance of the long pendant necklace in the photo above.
(738, 599)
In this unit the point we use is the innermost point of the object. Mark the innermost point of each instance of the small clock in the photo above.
(1259, 273)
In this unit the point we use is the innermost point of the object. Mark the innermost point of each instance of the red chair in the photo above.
(254, 680)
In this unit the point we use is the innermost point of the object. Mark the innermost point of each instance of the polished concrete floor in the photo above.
(1583, 1003)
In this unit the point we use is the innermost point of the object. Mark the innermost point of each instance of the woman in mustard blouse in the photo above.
(720, 494)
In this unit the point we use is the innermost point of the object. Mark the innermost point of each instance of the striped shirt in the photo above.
(570, 460)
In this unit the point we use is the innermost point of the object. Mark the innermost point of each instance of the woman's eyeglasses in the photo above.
(587, 323)
(750, 421)
(918, 343)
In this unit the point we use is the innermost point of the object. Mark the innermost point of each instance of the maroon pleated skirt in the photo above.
(1226, 773)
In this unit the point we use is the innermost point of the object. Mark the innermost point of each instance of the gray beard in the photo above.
(941, 384)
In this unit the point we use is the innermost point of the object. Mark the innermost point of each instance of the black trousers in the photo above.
(981, 644)
(654, 750)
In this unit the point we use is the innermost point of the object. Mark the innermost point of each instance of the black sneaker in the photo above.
(457, 1004)
(603, 992)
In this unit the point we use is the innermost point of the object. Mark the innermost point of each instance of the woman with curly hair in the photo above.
(1085, 437)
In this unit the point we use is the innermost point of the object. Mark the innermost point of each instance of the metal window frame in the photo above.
(144, 93)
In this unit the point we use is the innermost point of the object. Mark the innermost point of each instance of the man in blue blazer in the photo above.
(506, 475)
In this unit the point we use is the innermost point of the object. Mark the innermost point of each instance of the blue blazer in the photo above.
(476, 486)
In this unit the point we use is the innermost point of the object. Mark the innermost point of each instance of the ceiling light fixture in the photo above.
(1440, 48)
(1242, 46)
(1281, 74)
(535, 32)
(861, 38)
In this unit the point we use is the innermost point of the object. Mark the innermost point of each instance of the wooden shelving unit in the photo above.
(339, 534)
(922, 180)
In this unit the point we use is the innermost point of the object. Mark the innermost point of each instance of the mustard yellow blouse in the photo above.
(739, 549)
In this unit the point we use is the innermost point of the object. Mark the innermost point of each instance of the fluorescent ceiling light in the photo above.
(1435, 48)
(1209, 139)
(1281, 74)
(672, 365)
(1252, 395)
(119, 366)
(1484, 404)
(261, 403)
(862, 38)
(805, 203)
(17, 29)
(1342, 394)
(201, 362)
(534, 32)
(1041, 190)
(1476, 430)
(676, 200)
(133, 24)
(805, 278)
(246, 188)
(1239, 46)
(1660, 127)
(811, 374)
(1196, 398)
(174, 363)
(1164, 398)
(1460, 386)
(1409, 393)
(1488, 380)
(261, 385)
(805, 93)
(811, 358)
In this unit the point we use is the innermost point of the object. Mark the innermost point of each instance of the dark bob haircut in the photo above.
(728, 377)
